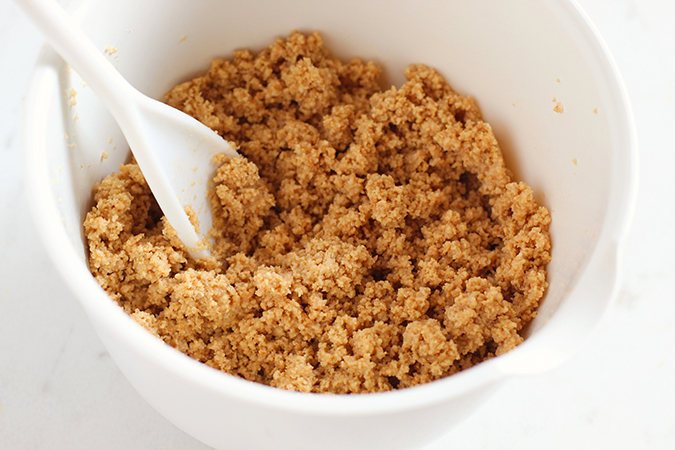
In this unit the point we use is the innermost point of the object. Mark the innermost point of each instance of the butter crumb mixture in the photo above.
(367, 240)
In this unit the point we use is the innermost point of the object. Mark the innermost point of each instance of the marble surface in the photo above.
(59, 389)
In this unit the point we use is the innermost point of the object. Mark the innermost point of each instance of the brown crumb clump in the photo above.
(367, 240)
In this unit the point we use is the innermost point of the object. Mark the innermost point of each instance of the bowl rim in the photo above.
(102, 309)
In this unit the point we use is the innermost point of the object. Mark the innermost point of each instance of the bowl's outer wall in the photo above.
(226, 422)
(518, 59)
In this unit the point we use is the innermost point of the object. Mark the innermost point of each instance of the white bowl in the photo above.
(513, 57)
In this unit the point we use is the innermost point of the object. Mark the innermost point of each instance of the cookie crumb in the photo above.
(366, 240)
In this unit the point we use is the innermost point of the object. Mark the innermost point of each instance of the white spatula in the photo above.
(173, 150)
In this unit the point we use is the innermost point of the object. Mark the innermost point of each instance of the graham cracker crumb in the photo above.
(366, 240)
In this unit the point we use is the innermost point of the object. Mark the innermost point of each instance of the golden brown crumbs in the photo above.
(367, 240)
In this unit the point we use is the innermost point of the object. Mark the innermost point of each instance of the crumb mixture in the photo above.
(367, 240)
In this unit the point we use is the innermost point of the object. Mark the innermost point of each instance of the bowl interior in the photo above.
(517, 59)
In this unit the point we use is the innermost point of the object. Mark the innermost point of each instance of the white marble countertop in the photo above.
(59, 389)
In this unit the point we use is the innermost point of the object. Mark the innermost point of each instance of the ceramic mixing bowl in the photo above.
(513, 57)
